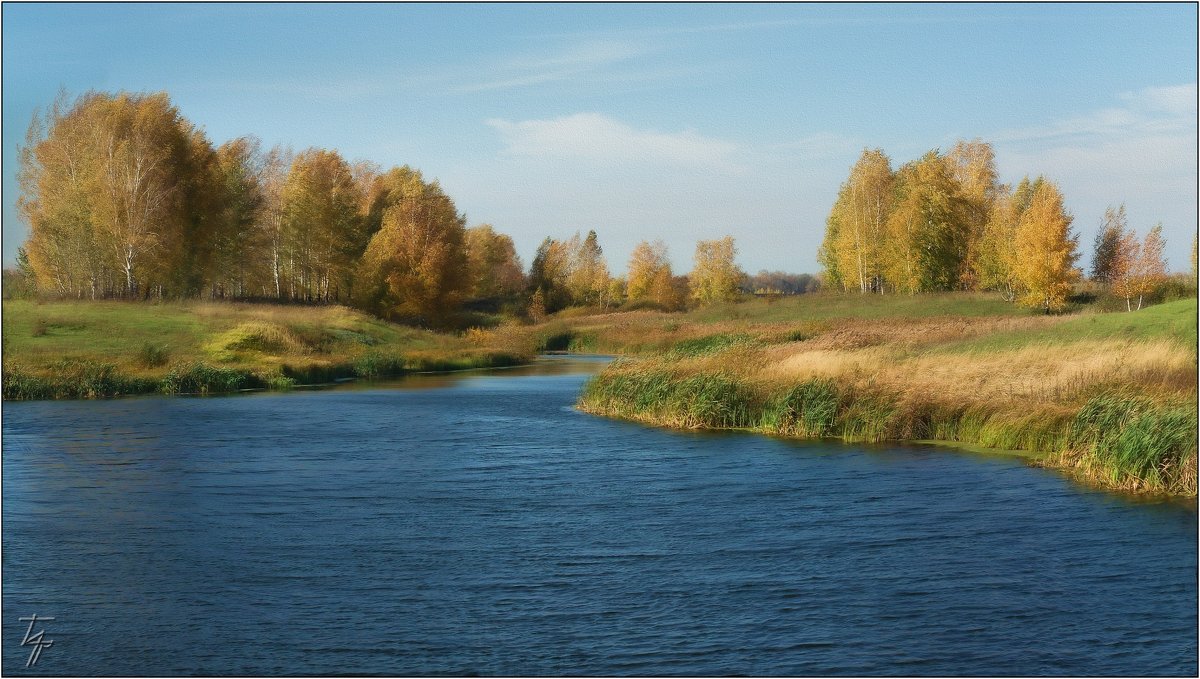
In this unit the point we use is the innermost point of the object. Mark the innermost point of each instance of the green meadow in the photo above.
(109, 348)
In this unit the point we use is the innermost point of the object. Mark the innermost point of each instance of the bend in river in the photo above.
(478, 524)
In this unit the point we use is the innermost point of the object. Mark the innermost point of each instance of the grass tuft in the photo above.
(1132, 442)
(153, 355)
(202, 378)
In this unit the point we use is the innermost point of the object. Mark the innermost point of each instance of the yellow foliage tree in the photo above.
(926, 232)
(493, 267)
(1046, 251)
(716, 276)
(587, 276)
(973, 167)
(996, 253)
(415, 267)
(650, 275)
(322, 231)
(1139, 268)
(855, 233)
(111, 188)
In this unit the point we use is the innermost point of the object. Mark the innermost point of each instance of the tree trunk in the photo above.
(275, 267)
(129, 280)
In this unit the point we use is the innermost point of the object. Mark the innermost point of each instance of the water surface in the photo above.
(477, 524)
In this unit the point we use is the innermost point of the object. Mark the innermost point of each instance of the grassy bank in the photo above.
(1110, 396)
(100, 349)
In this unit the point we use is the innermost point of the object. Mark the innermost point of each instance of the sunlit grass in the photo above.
(1011, 381)
(92, 349)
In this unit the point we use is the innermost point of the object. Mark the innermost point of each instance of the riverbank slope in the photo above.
(1111, 396)
(93, 349)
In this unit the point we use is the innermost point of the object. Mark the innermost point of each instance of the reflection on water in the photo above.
(477, 524)
(547, 364)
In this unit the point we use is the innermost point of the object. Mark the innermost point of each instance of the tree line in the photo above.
(126, 198)
(945, 222)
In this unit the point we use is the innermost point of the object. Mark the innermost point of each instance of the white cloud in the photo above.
(575, 62)
(1141, 153)
(1177, 99)
(1155, 110)
(596, 137)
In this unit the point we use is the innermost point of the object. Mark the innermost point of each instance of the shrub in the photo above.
(809, 409)
(374, 365)
(1134, 442)
(153, 355)
(201, 378)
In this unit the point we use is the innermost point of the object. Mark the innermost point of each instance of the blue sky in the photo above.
(679, 122)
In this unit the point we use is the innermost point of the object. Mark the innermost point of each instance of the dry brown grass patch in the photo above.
(1036, 373)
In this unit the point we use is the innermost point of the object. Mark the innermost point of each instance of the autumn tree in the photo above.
(973, 169)
(109, 189)
(549, 272)
(617, 291)
(1139, 267)
(715, 276)
(587, 275)
(136, 208)
(827, 255)
(996, 254)
(1107, 245)
(855, 229)
(241, 244)
(1046, 250)
(58, 171)
(537, 306)
(415, 266)
(927, 230)
(493, 267)
(650, 277)
(322, 231)
(274, 169)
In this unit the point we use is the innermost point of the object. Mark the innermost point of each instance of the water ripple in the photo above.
(486, 528)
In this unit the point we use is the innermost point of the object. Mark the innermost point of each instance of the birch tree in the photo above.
(588, 276)
(276, 165)
(109, 188)
(1107, 246)
(645, 264)
(1139, 267)
(927, 229)
(1046, 251)
(415, 266)
(716, 276)
(860, 214)
(493, 267)
(321, 225)
(973, 170)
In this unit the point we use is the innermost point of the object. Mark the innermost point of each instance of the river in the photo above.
(478, 525)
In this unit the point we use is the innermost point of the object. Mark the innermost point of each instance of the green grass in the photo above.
(1118, 441)
(1132, 441)
(1128, 423)
(709, 344)
(789, 319)
(828, 306)
(812, 409)
(86, 349)
(1173, 321)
